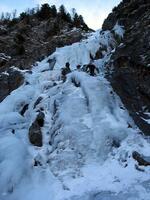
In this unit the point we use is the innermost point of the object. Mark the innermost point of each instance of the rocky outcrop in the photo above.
(131, 60)
(29, 41)
(9, 81)
(4, 59)
(35, 132)
(141, 160)
(30, 38)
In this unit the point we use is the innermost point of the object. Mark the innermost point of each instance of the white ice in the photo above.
(87, 143)
(119, 30)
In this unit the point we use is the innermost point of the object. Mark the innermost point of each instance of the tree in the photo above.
(2, 16)
(32, 11)
(64, 14)
(14, 19)
(28, 11)
(7, 16)
(14, 14)
(53, 11)
(62, 11)
(78, 21)
(25, 16)
(73, 12)
(44, 12)
(68, 18)
(81, 20)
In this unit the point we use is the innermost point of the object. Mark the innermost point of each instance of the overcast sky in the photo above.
(93, 11)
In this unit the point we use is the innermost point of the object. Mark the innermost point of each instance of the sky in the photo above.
(93, 11)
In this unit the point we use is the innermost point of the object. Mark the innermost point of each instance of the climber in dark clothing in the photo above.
(79, 67)
(65, 70)
(91, 68)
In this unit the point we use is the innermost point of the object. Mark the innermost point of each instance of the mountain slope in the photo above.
(31, 37)
(88, 138)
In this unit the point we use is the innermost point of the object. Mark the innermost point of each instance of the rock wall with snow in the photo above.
(131, 58)
(26, 40)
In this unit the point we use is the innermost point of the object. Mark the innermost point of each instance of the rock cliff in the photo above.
(31, 37)
(131, 59)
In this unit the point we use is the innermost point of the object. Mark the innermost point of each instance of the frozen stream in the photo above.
(88, 136)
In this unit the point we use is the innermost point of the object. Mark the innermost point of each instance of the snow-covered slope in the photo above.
(88, 136)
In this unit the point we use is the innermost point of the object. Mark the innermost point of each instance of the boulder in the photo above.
(9, 81)
(142, 161)
(35, 133)
(37, 102)
(40, 119)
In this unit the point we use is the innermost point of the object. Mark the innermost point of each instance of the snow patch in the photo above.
(119, 30)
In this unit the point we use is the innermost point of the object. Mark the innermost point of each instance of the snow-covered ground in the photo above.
(88, 136)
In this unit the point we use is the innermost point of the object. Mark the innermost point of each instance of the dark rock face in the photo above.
(9, 81)
(131, 61)
(29, 42)
(4, 59)
(35, 133)
(40, 119)
(37, 102)
(24, 109)
(142, 161)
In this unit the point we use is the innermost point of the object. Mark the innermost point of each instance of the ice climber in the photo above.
(92, 69)
(65, 70)
(79, 67)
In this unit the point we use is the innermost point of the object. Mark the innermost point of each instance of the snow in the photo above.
(87, 145)
(13, 162)
(119, 30)
(79, 53)
(3, 56)
(148, 117)
(3, 28)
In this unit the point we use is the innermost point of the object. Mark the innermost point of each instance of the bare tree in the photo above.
(2, 16)
(14, 14)
(73, 12)
(7, 16)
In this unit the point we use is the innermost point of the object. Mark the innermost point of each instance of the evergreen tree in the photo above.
(2, 16)
(68, 18)
(64, 14)
(53, 11)
(25, 16)
(82, 23)
(62, 11)
(44, 12)
(76, 20)
(81, 20)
